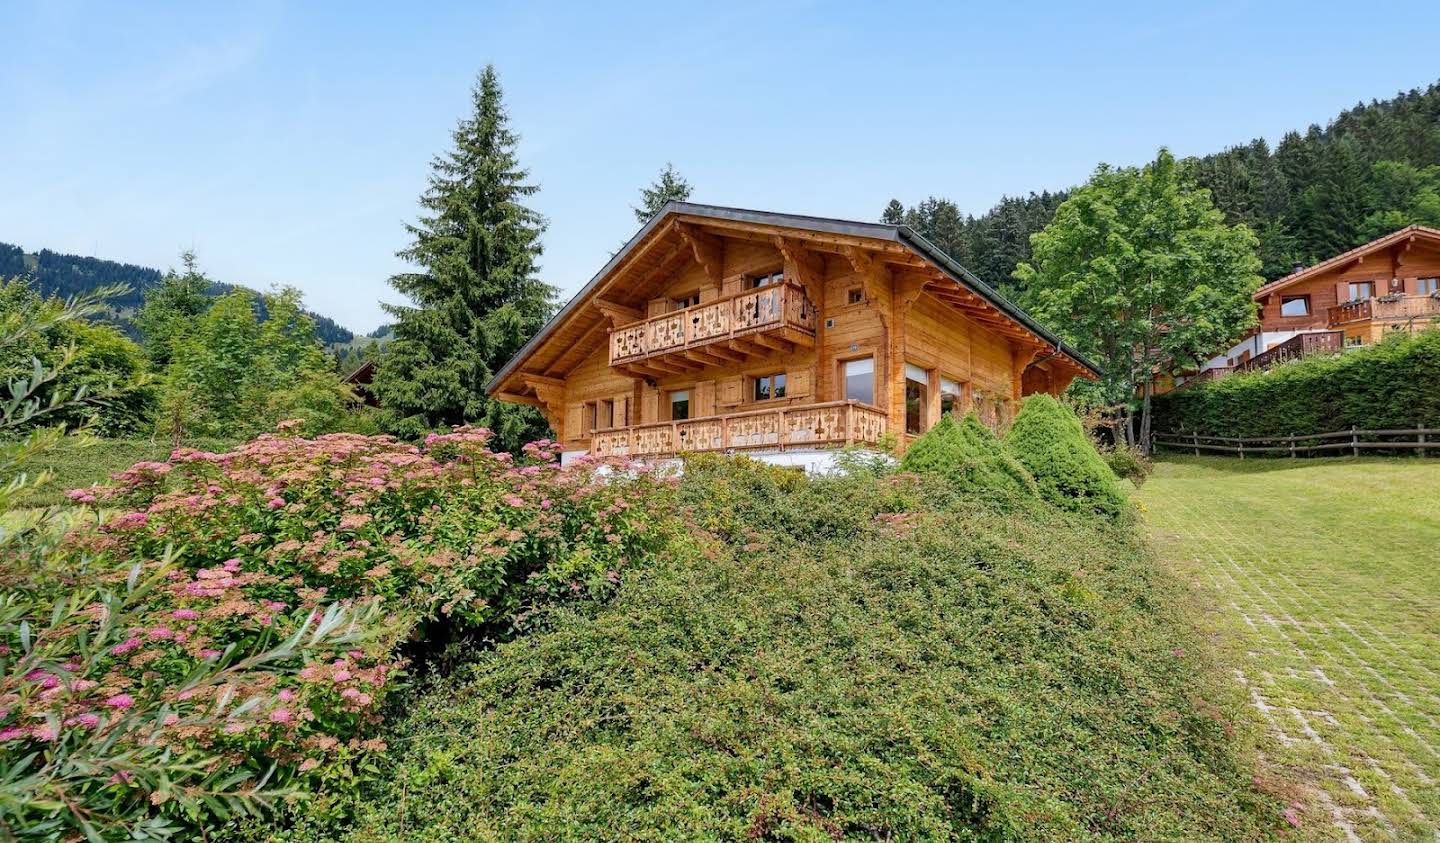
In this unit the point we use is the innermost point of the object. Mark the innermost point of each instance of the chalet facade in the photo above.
(1355, 298)
(719, 329)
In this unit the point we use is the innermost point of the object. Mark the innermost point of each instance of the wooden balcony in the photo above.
(807, 426)
(1386, 309)
(726, 330)
(1300, 345)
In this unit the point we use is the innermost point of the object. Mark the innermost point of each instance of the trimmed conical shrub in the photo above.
(1048, 440)
(969, 456)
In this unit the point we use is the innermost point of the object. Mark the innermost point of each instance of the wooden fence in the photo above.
(1352, 441)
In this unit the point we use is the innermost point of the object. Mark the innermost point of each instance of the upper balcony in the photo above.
(1386, 308)
(727, 329)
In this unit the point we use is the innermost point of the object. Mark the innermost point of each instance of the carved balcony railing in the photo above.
(1386, 308)
(805, 426)
(781, 310)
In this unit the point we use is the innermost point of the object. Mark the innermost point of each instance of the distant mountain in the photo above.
(59, 274)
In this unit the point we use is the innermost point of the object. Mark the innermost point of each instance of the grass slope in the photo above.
(851, 658)
(1324, 578)
(73, 465)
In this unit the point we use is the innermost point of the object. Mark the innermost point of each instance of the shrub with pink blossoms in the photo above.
(221, 560)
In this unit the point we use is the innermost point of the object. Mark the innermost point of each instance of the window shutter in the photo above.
(1342, 292)
(729, 391)
(574, 421)
(798, 383)
(649, 405)
(704, 399)
(622, 410)
(658, 307)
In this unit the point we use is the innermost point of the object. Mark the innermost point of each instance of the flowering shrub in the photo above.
(195, 631)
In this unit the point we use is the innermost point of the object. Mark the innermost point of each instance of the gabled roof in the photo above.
(1345, 257)
(898, 234)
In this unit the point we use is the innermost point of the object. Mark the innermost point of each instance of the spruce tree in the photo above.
(476, 296)
(670, 185)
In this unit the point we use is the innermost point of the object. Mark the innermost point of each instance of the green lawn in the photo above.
(1324, 580)
(72, 465)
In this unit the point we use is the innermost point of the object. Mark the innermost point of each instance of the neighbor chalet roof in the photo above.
(1346, 257)
(898, 234)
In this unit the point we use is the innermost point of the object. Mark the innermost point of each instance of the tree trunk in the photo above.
(1145, 418)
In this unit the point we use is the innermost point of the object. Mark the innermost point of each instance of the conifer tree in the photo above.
(670, 185)
(476, 296)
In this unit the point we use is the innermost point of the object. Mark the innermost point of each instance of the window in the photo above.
(950, 397)
(765, 280)
(599, 415)
(682, 302)
(860, 380)
(769, 386)
(680, 405)
(855, 296)
(1427, 286)
(917, 394)
(1351, 342)
(1361, 290)
(1295, 306)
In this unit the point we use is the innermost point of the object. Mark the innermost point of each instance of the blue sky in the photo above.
(288, 142)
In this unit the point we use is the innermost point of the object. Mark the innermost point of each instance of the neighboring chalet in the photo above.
(718, 329)
(1352, 299)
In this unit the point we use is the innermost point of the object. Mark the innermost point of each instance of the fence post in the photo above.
(1240, 447)
(1196, 438)
(1292, 446)
(1421, 449)
(1354, 441)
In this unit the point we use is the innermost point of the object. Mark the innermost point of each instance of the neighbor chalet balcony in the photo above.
(831, 424)
(1386, 309)
(726, 330)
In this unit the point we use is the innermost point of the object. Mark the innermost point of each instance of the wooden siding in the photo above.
(873, 300)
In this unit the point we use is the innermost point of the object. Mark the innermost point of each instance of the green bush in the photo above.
(229, 636)
(1128, 463)
(1391, 385)
(970, 457)
(1048, 440)
(851, 657)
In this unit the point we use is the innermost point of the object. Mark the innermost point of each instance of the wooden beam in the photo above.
(517, 398)
(874, 276)
(708, 250)
(617, 314)
(772, 343)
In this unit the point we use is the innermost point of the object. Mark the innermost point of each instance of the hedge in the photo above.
(1394, 384)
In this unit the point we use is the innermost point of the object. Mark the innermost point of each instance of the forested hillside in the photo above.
(59, 274)
(1374, 168)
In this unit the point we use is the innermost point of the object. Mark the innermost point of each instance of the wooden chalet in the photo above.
(719, 329)
(1355, 298)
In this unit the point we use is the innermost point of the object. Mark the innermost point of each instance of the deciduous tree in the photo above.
(1140, 271)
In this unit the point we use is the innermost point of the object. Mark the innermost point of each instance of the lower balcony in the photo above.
(836, 423)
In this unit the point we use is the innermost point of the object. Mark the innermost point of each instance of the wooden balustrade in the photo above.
(1386, 308)
(801, 426)
(763, 309)
(1300, 345)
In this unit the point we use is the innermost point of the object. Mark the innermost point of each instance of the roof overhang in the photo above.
(882, 233)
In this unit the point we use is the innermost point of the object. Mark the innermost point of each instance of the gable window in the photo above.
(682, 302)
(757, 281)
(855, 296)
(860, 380)
(1295, 306)
(770, 386)
(1427, 286)
(1361, 290)
(679, 405)
(917, 395)
(950, 397)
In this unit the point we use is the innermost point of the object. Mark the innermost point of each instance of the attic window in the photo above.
(1361, 290)
(855, 296)
(689, 300)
